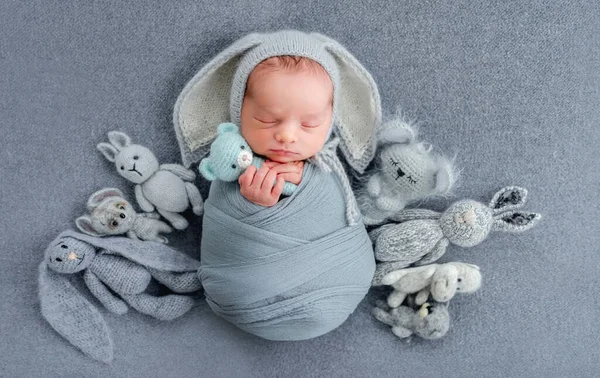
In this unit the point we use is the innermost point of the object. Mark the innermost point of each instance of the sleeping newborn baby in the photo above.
(296, 267)
(286, 117)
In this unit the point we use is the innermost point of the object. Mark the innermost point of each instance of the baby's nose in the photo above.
(285, 136)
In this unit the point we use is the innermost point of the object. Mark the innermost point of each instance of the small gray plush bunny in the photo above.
(439, 281)
(167, 187)
(117, 272)
(423, 235)
(431, 321)
(111, 214)
(405, 171)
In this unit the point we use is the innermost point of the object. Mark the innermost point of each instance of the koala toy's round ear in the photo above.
(84, 224)
(102, 194)
(206, 169)
(227, 128)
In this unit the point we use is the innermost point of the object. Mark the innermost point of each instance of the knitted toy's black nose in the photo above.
(400, 172)
(122, 215)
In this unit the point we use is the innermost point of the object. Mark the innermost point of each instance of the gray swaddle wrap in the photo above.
(298, 269)
(289, 272)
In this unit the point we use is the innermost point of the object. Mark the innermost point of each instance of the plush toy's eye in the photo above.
(64, 246)
(233, 166)
(393, 162)
(115, 223)
(460, 280)
(122, 167)
(243, 147)
(58, 259)
(136, 157)
(119, 206)
(122, 215)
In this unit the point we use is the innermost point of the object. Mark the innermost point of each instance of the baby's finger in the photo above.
(278, 188)
(267, 184)
(259, 177)
(291, 177)
(246, 177)
(286, 168)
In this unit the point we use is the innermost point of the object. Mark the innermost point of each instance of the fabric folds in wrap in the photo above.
(293, 271)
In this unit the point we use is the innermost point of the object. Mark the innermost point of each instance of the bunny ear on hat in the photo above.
(73, 316)
(204, 102)
(147, 253)
(215, 94)
(358, 106)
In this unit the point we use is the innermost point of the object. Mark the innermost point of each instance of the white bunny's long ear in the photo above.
(119, 139)
(73, 316)
(108, 150)
(358, 107)
(204, 102)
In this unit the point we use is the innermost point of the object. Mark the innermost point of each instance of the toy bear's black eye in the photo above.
(122, 215)
(136, 157)
(460, 280)
(122, 167)
(243, 147)
(64, 246)
(115, 223)
(58, 259)
(233, 166)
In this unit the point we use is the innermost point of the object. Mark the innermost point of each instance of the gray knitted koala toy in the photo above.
(167, 187)
(405, 171)
(423, 235)
(110, 265)
(111, 214)
(431, 321)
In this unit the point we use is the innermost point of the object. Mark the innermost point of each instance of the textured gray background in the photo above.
(511, 88)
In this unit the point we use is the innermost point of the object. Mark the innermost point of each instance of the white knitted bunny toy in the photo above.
(166, 187)
(441, 281)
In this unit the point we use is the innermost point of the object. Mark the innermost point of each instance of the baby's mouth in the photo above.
(283, 152)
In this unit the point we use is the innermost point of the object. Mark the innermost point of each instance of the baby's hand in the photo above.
(257, 186)
(291, 172)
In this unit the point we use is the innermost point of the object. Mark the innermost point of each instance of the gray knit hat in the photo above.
(215, 94)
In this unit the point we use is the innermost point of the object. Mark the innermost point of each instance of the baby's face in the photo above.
(286, 115)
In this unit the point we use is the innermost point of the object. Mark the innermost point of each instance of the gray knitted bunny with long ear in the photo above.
(424, 235)
(117, 271)
(431, 321)
(405, 171)
(166, 187)
(111, 214)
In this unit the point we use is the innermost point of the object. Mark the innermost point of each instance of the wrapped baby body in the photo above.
(293, 271)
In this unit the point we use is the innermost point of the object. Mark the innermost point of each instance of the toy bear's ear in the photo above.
(206, 169)
(442, 181)
(446, 176)
(227, 128)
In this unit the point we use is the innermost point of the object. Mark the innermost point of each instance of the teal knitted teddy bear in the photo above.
(229, 157)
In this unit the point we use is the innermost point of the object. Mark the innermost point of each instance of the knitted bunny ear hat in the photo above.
(215, 94)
